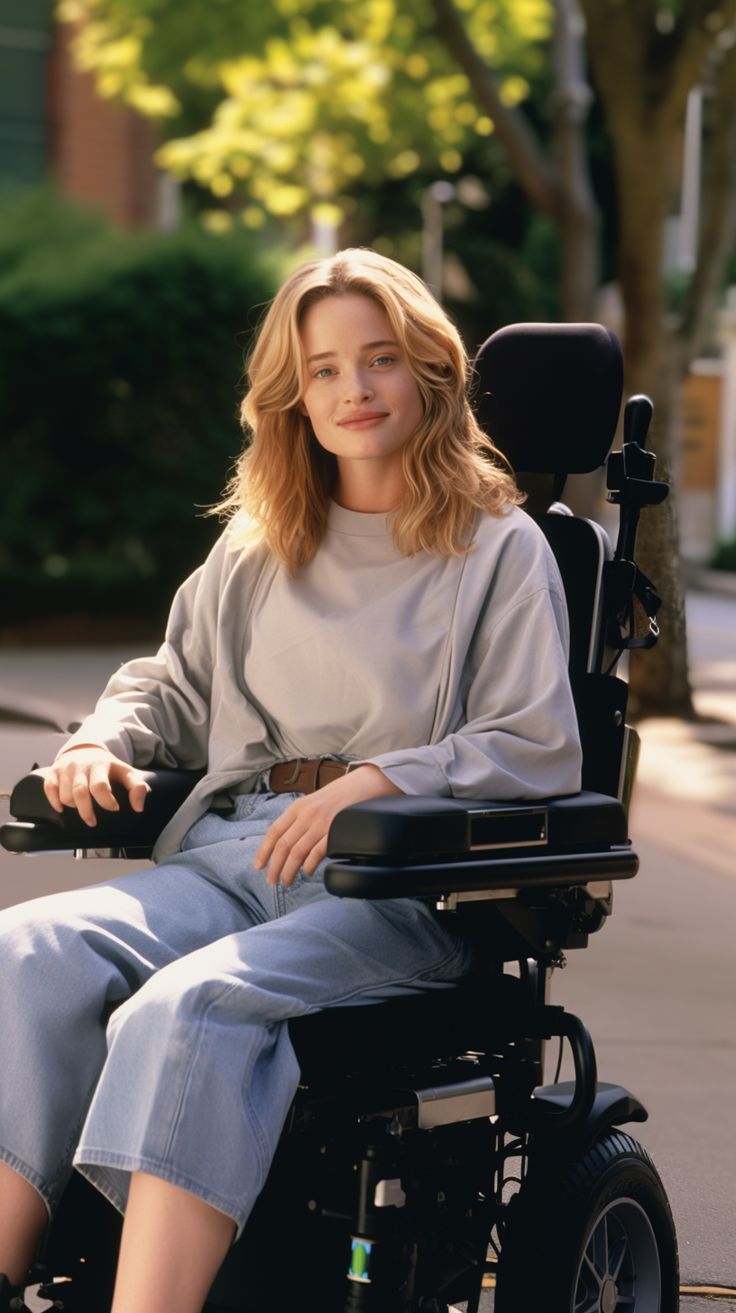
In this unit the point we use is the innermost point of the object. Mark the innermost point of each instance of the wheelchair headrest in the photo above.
(549, 395)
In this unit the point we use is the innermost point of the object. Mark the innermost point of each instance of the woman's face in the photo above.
(360, 395)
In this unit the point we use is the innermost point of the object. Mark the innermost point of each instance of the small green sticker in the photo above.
(360, 1260)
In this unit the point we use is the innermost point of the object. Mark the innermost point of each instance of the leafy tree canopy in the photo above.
(286, 106)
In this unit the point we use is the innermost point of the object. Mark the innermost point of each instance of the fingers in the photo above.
(81, 779)
(51, 789)
(298, 838)
(317, 855)
(69, 786)
(282, 850)
(268, 842)
(292, 856)
(296, 841)
(74, 791)
(137, 788)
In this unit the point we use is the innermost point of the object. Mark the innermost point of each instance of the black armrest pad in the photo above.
(504, 874)
(403, 830)
(126, 828)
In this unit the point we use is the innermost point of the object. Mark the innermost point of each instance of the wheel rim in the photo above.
(619, 1271)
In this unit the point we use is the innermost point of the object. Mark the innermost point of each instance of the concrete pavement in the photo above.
(695, 762)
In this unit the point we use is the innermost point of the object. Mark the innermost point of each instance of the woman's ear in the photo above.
(303, 410)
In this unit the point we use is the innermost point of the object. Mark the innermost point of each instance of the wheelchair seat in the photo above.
(414, 1116)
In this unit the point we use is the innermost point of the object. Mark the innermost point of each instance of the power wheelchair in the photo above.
(424, 1156)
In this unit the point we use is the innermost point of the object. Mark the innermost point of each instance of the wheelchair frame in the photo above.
(392, 1182)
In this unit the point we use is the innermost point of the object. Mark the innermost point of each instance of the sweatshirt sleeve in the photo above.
(518, 735)
(155, 711)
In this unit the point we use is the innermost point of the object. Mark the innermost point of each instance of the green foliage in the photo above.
(120, 364)
(724, 556)
(282, 108)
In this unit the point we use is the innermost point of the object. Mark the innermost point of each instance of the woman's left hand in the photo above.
(298, 839)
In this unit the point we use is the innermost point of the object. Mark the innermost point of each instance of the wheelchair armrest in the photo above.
(38, 828)
(410, 829)
(409, 846)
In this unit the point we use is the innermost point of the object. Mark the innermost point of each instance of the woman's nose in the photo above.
(358, 387)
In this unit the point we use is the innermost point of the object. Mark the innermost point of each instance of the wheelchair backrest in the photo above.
(549, 395)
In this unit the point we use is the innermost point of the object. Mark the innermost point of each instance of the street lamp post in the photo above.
(433, 199)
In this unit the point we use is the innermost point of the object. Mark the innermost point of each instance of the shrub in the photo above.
(121, 363)
(724, 556)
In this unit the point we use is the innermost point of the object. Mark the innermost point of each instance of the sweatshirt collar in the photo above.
(358, 524)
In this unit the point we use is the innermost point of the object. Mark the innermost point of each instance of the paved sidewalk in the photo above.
(694, 762)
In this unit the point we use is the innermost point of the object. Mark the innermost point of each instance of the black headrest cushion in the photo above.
(549, 395)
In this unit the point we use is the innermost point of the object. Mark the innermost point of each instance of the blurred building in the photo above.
(54, 125)
(707, 449)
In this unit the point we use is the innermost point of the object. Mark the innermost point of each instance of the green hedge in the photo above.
(121, 365)
(724, 555)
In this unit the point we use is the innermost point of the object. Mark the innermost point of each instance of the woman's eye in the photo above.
(324, 372)
(384, 360)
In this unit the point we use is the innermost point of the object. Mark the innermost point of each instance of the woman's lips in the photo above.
(364, 420)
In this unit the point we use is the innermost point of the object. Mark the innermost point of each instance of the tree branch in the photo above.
(644, 73)
(536, 173)
(694, 39)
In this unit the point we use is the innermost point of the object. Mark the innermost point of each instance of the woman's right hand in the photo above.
(86, 773)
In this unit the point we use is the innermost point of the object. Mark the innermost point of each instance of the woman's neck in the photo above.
(363, 485)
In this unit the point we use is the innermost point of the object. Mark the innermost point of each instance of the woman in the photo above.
(378, 608)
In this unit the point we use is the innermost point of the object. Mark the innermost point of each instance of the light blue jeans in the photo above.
(142, 1020)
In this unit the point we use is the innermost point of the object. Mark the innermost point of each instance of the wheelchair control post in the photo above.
(631, 483)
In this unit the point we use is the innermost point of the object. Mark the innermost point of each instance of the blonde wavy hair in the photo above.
(283, 481)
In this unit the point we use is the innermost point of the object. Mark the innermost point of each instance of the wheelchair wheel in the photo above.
(597, 1238)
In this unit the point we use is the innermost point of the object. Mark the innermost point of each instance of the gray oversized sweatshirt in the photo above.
(450, 675)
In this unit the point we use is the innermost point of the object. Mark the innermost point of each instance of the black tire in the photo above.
(597, 1238)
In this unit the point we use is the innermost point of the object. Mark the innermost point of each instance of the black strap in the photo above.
(629, 586)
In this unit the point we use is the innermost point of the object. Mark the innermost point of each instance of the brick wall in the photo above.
(100, 151)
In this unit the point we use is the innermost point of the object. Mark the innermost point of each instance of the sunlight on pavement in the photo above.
(694, 761)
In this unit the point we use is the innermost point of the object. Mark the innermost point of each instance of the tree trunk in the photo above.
(659, 677)
(658, 358)
(576, 212)
(660, 680)
(643, 78)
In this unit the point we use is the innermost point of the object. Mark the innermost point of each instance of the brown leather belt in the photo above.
(305, 774)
